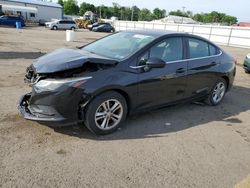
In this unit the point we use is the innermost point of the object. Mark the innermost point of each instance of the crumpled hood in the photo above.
(66, 59)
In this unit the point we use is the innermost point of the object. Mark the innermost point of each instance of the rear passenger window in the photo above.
(213, 50)
(198, 48)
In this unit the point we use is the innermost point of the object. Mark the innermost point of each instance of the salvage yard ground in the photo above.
(186, 145)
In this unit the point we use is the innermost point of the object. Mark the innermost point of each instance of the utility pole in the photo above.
(132, 14)
(183, 11)
(100, 12)
(121, 13)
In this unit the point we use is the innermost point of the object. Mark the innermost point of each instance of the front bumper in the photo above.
(53, 109)
(52, 119)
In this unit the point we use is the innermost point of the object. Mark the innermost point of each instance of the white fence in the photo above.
(224, 35)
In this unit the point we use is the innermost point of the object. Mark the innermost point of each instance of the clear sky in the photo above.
(238, 8)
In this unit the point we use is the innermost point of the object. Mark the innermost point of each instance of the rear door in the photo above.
(62, 25)
(159, 86)
(69, 24)
(202, 65)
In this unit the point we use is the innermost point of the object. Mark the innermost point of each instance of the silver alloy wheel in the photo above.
(108, 114)
(219, 92)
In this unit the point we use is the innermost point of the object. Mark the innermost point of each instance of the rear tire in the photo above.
(73, 28)
(105, 113)
(247, 71)
(217, 92)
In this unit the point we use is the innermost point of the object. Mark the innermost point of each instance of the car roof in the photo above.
(66, 20)
(155, 33)
(161, 33)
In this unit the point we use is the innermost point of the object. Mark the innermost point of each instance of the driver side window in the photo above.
(168, 50)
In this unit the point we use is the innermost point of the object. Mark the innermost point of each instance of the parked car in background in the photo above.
(61, 24)
(42, 22)
(104, 27)
(246, 64)
(11, 20)
(101, 83)
(90, 27)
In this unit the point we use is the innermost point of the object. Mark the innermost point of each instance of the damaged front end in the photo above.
(58, 91)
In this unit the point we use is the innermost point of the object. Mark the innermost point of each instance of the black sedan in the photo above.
(104, 27)
(101, 83)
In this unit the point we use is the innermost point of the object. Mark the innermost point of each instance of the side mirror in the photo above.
(155, 63)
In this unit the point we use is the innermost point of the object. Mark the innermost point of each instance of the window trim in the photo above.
(183, 60)
(205, 57)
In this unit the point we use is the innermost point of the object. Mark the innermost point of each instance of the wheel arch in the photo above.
(226, 79)
(116, 89)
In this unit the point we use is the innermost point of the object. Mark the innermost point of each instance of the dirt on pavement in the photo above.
(187, 145)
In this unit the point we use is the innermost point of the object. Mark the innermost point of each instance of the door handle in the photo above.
(213, 63)
(180, 70)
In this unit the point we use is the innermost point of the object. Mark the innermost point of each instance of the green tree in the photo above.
(157, 13)
(146, 15)
(230, 20)
(107, 12)
(71, 7)
(163, 13)
(60, 2)
(127, 12)
(198, 17)
(178, 13)
(116, 10)
(84, 7)
(215, 17)
(136, 12)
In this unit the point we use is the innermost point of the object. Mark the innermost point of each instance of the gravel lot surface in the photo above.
(187, 145)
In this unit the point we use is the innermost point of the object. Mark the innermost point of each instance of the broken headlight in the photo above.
(53, 84)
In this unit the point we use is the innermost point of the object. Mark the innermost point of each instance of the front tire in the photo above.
(217, 93)
(105, 113)
(54, 27)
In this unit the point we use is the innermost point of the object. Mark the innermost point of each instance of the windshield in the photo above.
(120, 45)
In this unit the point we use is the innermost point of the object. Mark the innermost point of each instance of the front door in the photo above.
(159, 86)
